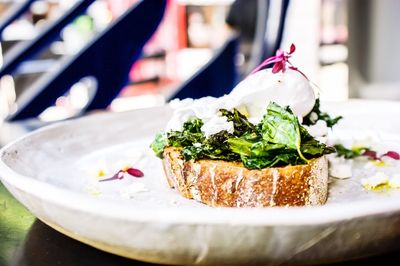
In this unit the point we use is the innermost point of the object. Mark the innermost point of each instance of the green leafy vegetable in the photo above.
(316, 114)
(281, 126)
(214, 147)
(190, 134)
(288, 158)
(240, 146)
(278, 140)
(311, 146)
(263, 148)
(240, 123)
(315, 148)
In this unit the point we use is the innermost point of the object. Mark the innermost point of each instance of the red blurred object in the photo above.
(371, 154)
(393, 155)
(134, 172)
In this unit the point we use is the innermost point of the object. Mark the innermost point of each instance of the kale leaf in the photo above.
(240, 123)
(316, 114)
(214, 147)
(278, 140)
(280, 126)
(290, 157)
(240, 146)
(193, 126)
(190, 134)
(312, 147)
(217, 147)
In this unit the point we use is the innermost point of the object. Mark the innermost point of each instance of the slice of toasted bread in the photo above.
(229, 184)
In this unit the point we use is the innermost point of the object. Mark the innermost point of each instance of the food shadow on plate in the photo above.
(45, 246)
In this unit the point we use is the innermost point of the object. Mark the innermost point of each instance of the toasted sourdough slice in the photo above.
(229, 184)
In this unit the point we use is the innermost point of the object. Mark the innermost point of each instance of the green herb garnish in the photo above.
(352, 153)
(316, 114)
(278, 140)
(159, 144)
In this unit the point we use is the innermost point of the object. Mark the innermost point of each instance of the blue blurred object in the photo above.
(26, 50)
(273, 37)
(216, 78)
(13, 13)
(108, 59)
(271, 16)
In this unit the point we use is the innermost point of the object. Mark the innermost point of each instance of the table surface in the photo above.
(24, 240)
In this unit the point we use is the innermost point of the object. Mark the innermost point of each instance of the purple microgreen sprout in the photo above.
(121, 174)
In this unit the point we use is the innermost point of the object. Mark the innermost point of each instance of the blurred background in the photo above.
(348, 48)
(54, 59)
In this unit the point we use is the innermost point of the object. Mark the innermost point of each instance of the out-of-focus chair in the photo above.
(216, 78)
(271, 16)
(108, 59)
(23, 51)
(15, 11)
(18, 61)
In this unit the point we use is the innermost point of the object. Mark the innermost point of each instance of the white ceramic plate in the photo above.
(53, 173)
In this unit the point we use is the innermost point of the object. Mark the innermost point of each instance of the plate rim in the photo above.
(276, 216)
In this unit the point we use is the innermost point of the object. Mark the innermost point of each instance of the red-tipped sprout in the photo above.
(281, 62)
(371, 154)
(392, 154)
(134, 172)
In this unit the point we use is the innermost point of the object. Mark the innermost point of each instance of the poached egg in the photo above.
(253, 94)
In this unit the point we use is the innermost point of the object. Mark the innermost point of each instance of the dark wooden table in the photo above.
(26, 241)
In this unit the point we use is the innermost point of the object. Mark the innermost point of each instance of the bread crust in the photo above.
(220, 183)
